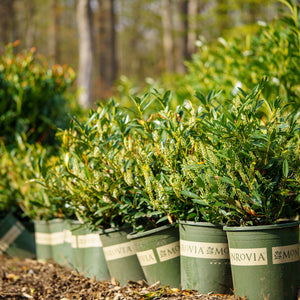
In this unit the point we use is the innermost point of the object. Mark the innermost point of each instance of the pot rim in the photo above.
(136, 235)
(113, 229)
(200, 224)
(281, 225)
(56, 220)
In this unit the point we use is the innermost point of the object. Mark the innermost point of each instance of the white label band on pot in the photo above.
(50, 239)
(10, 236)
(118, 251)
(146, 258)
(57, 238)
(248, 257)
(169, 251)
(204, 250)
(68, 236)
(74, 241)
(43, 238)
(285, 254)
(91, 240)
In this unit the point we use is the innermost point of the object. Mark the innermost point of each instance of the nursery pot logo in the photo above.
(248, 257)
(285, 254)
(204, 250)
(168, 251)
(146, 258)
(91, 240)
(118, 251)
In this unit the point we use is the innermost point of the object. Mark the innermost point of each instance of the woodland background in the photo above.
(112, 42)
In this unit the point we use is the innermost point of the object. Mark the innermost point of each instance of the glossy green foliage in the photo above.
(22, 170)
(241, 62)
(91, 167)
(237, 163)
(33, 97)
(230, 157)
(252, 160)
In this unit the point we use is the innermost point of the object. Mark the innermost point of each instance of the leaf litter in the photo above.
(22, 279)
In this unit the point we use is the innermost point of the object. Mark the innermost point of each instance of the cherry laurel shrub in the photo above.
(34, 99)
(34, 102)
(252, 160)
(233, 164)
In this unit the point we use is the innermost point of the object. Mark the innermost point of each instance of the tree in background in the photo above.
(137, 38)
(182, 27)
(7, 29)
(167, 24)
(85, 43)
(107, 46)
(54, 32)
(30, 26)
(192, 32)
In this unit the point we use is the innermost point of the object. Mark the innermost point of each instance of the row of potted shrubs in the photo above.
(157, 170)
(179, 173)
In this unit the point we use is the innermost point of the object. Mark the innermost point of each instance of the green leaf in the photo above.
(192, 167)
(66, 159)
(102, 209)
(139, 214)
(200, 182)
(298, 199)
(147, 104)
(226, 180)
(201, 202)
(201, 97)
(285, 168)
(162, 219)
(91, 118)
(190, 194)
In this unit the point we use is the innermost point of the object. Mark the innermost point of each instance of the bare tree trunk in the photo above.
(54, 32)
(84, 22)
(6, 21)
(107, 47)
(192, 21)
(30, 25)
(168, 44)
(182, 30)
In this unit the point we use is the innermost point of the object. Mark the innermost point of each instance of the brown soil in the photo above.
(32, 279)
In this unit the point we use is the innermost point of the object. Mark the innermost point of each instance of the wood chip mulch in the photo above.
(22, 279)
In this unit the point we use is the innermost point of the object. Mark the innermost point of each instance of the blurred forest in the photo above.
(106, 41)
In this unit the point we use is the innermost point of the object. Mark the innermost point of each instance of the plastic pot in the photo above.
(60, 249)
(265, 260)
(68, 255)
(42, 240)
(120, 255)
(204, 258)
(15, 239)
(158, 252)
(87, 251)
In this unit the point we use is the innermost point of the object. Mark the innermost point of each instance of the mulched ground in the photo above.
(32, 279)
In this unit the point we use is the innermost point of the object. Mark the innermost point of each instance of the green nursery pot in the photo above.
(42, 239)
(60, 251)
(158, 252)
(68, 242)
(53, 241)
(204, 258)
(120, 255)
(87, 251)
(15, 239)
(265, 260)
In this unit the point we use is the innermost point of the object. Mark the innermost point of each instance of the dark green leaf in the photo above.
(285, 168)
